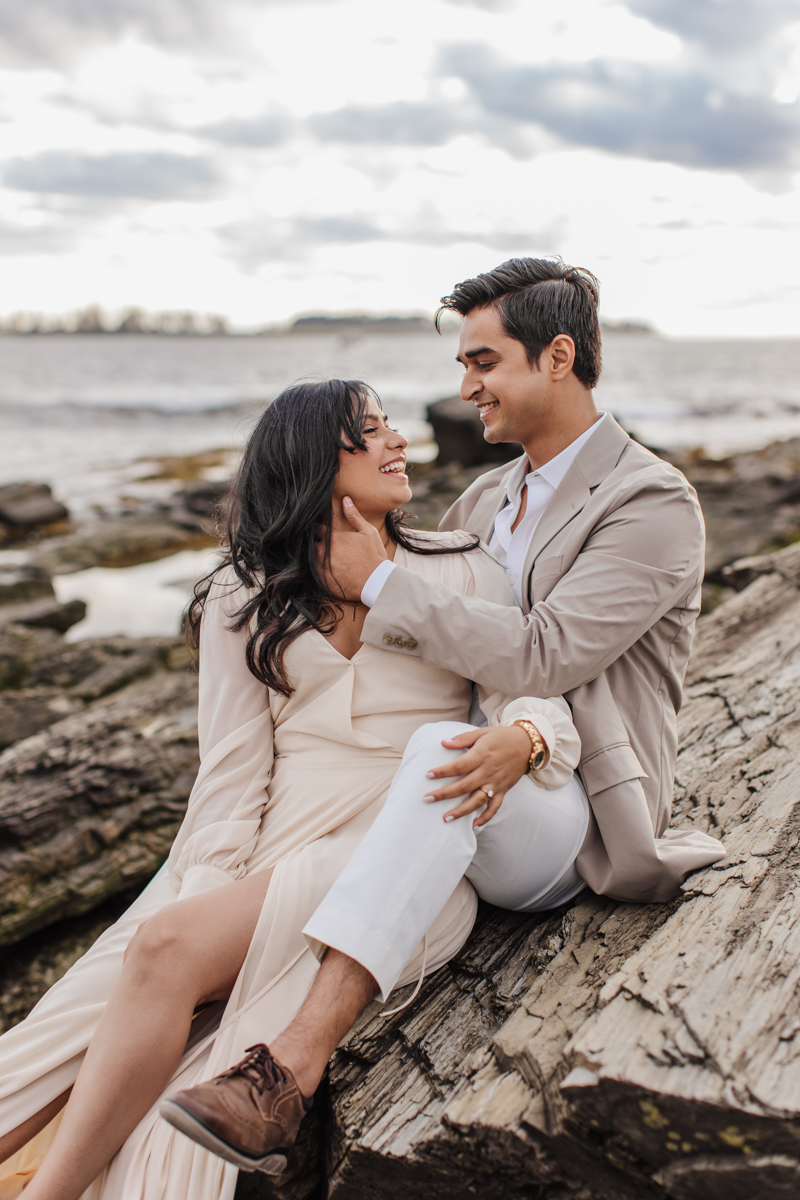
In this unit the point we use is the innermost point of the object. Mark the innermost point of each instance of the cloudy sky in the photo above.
(262, 159)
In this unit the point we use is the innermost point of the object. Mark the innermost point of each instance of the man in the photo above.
(602, 544)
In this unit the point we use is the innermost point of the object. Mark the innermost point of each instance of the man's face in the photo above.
(511, 396)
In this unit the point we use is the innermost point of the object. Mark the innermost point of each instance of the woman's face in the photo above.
(375, 478)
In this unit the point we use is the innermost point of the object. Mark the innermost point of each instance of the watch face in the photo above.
(538, 762)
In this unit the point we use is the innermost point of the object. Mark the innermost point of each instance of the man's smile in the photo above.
(486, 406)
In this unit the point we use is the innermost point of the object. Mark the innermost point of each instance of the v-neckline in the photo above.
(362, 645)
(338, 653)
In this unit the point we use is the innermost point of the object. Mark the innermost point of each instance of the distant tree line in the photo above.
(94, 319)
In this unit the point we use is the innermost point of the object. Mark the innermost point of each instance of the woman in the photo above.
(301, 731)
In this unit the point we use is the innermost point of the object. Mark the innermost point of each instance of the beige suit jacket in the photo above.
(610, 597)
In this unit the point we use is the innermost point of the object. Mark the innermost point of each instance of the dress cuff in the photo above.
(557, 731)
(372, 588)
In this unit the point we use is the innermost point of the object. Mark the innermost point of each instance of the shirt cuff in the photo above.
(372, 588)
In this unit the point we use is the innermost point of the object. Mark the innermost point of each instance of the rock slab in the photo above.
(28, 506)
(612, 1051)
(90, 805)
(458, 430)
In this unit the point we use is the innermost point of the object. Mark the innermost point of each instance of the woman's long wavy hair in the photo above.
(279, 506)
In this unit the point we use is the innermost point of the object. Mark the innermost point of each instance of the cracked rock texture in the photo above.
(599, 1052)
(610, 1051)
(89, 801)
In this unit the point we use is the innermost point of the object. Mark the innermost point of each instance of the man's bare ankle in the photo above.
(293, 1055)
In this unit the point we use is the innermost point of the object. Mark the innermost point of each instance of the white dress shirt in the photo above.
(510, 548)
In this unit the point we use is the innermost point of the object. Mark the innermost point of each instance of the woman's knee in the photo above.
(158, 947)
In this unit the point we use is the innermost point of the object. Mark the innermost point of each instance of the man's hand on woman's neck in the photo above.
(359, 547)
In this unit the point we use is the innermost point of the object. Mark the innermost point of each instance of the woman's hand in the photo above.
(497, 759)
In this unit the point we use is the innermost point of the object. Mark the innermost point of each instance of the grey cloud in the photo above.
(336, 229)
(488, 5)
(55, 31)
(37, 239)
(269, 129)
(725, 27)
(252, 243)
(681, 115)
(148, 175)
(400, 123)
(417, 123)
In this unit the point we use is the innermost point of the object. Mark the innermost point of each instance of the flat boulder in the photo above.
(608, 1051)
(44, 614)
(27, 711)
(28, 506)
(21, 584)
(90, 805)
(458, 430)
(120, 543)
(750, 502)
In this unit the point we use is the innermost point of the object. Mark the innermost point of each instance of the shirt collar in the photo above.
(517, 478)
(553, 471)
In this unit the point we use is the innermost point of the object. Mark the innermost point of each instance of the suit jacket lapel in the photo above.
(592, 464)
(482, 517)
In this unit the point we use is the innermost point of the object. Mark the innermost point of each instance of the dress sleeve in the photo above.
(487, 579)
(553, 719)
(222, 822)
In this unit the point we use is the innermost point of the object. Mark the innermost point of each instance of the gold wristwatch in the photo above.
(538, 747)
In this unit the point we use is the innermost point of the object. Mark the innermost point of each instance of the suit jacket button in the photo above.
(398, 641)
(411, 644)
(389, 640)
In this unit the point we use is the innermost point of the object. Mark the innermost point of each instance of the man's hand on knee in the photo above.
(492, 762)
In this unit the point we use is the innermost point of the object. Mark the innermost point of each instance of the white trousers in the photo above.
(411, 860)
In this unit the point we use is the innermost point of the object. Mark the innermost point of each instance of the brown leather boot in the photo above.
(249, 1115)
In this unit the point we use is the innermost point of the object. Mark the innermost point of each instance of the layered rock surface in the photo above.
(603, 1051)
(93, 793)
(611, 1051)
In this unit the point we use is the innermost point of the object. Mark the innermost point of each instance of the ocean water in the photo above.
(88, 414)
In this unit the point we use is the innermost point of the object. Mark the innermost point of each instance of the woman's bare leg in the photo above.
(13, 1141)
(189, 953)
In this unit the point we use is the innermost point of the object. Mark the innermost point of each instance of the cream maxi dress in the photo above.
(291, 783)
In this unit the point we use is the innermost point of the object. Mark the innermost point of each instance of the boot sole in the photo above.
(188, 1123)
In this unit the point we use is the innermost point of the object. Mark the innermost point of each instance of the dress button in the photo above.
(411, 644)
(389, 640)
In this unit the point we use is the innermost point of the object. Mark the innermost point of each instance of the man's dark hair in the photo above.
(538, 298)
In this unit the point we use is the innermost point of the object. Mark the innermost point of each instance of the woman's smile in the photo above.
(397, 466)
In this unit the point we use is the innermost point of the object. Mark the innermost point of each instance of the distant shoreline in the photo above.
(93, 321)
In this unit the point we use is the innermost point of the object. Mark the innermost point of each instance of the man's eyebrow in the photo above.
(475, 353)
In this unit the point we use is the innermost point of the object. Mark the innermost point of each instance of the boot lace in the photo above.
(260, 1068)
